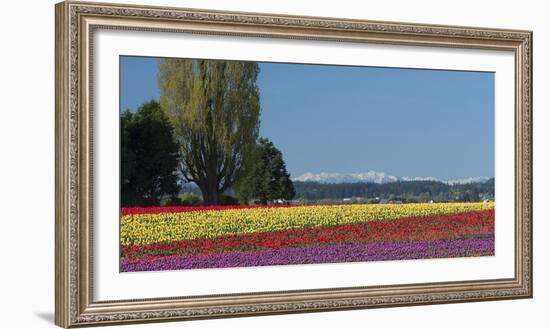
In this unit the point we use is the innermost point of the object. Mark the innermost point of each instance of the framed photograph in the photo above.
(217, 164)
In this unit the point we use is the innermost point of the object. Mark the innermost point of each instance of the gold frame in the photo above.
(75, 23)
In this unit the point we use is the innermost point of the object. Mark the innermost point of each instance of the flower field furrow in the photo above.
(317, 254)
(146, 228)
(444, 226)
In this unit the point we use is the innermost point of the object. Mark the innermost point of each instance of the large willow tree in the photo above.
(214, 108)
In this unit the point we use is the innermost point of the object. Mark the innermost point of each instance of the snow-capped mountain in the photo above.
(467, 180)
(377, 177)
(324, 177)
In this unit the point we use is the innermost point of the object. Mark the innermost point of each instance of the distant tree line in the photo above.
(413, 191)
(417, 191)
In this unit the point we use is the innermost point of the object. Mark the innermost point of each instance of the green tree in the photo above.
(149, 156)
(266, 176)
(214, 108)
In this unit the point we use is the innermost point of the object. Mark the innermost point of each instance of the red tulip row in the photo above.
(445, 226)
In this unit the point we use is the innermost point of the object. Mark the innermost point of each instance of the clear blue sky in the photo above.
(326, 118)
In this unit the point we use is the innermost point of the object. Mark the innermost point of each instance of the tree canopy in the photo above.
(214, 108)
(266, 176)
(149, 156)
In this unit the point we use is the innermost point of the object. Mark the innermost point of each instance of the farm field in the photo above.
(172, 238)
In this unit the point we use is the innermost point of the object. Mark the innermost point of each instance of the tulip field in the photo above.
(172, 238)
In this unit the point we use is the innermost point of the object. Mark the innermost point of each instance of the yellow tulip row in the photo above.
(148, 228)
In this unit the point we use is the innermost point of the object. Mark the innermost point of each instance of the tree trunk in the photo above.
(210, 194)
(263, 200)
(211, 199)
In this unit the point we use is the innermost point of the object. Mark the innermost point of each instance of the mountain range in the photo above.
(377, 177)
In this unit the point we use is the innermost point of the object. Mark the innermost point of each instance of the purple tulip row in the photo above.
(336, 253)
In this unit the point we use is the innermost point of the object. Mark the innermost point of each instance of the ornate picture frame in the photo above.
(76, 22)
